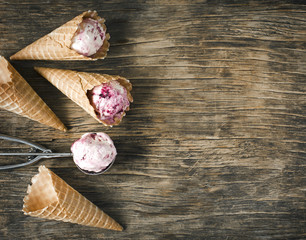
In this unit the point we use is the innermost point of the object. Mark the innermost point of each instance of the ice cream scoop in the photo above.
(88, 38)
(110, 100)
(94, 152)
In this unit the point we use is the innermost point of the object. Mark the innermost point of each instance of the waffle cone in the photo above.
(56, 45)
(50, 197)
(17, 96)
(76, 84)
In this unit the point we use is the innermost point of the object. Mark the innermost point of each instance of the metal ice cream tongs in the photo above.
(33, 156)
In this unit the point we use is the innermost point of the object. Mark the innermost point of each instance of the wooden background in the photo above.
(214, 144)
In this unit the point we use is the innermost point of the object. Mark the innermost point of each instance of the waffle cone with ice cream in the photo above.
(57, 44)
(75, 85)
(17, 96)
(51, 197)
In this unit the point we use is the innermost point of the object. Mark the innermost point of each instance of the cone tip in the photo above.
(37, 68)
(40, 70)
(14, 56)
(41, 168)
(120, 228)
(64, 128)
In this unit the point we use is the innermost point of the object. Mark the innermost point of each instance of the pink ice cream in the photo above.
(89, 37)
(109, 100)
(93, 152)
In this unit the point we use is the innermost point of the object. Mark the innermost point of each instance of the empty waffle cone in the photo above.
(17, 96)
(56, 45)
(76, 84)
(51, 197)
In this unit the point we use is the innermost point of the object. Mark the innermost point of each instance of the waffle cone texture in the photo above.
(17, 96)
(56, 45)
(76, 84)
(50, 197)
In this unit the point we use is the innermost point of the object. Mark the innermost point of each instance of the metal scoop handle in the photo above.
(46, 153)
(31, 144)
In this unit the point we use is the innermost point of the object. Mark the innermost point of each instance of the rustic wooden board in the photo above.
(214, 144)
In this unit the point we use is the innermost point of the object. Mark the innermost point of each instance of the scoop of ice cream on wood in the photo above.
(94, 152)
(17, 96)
(71, 41)
(81, 87)
(51, 197)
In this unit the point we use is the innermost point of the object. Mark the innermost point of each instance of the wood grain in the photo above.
(214, 144)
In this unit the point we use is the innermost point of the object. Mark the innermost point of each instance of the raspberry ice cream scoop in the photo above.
(110, 101)
(89, 37)
(94, 152)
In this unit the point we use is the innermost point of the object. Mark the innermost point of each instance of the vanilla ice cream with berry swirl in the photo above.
(89, 37)
(109, 100)
(94, 152)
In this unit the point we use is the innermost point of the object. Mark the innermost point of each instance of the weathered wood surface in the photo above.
(214, 144)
